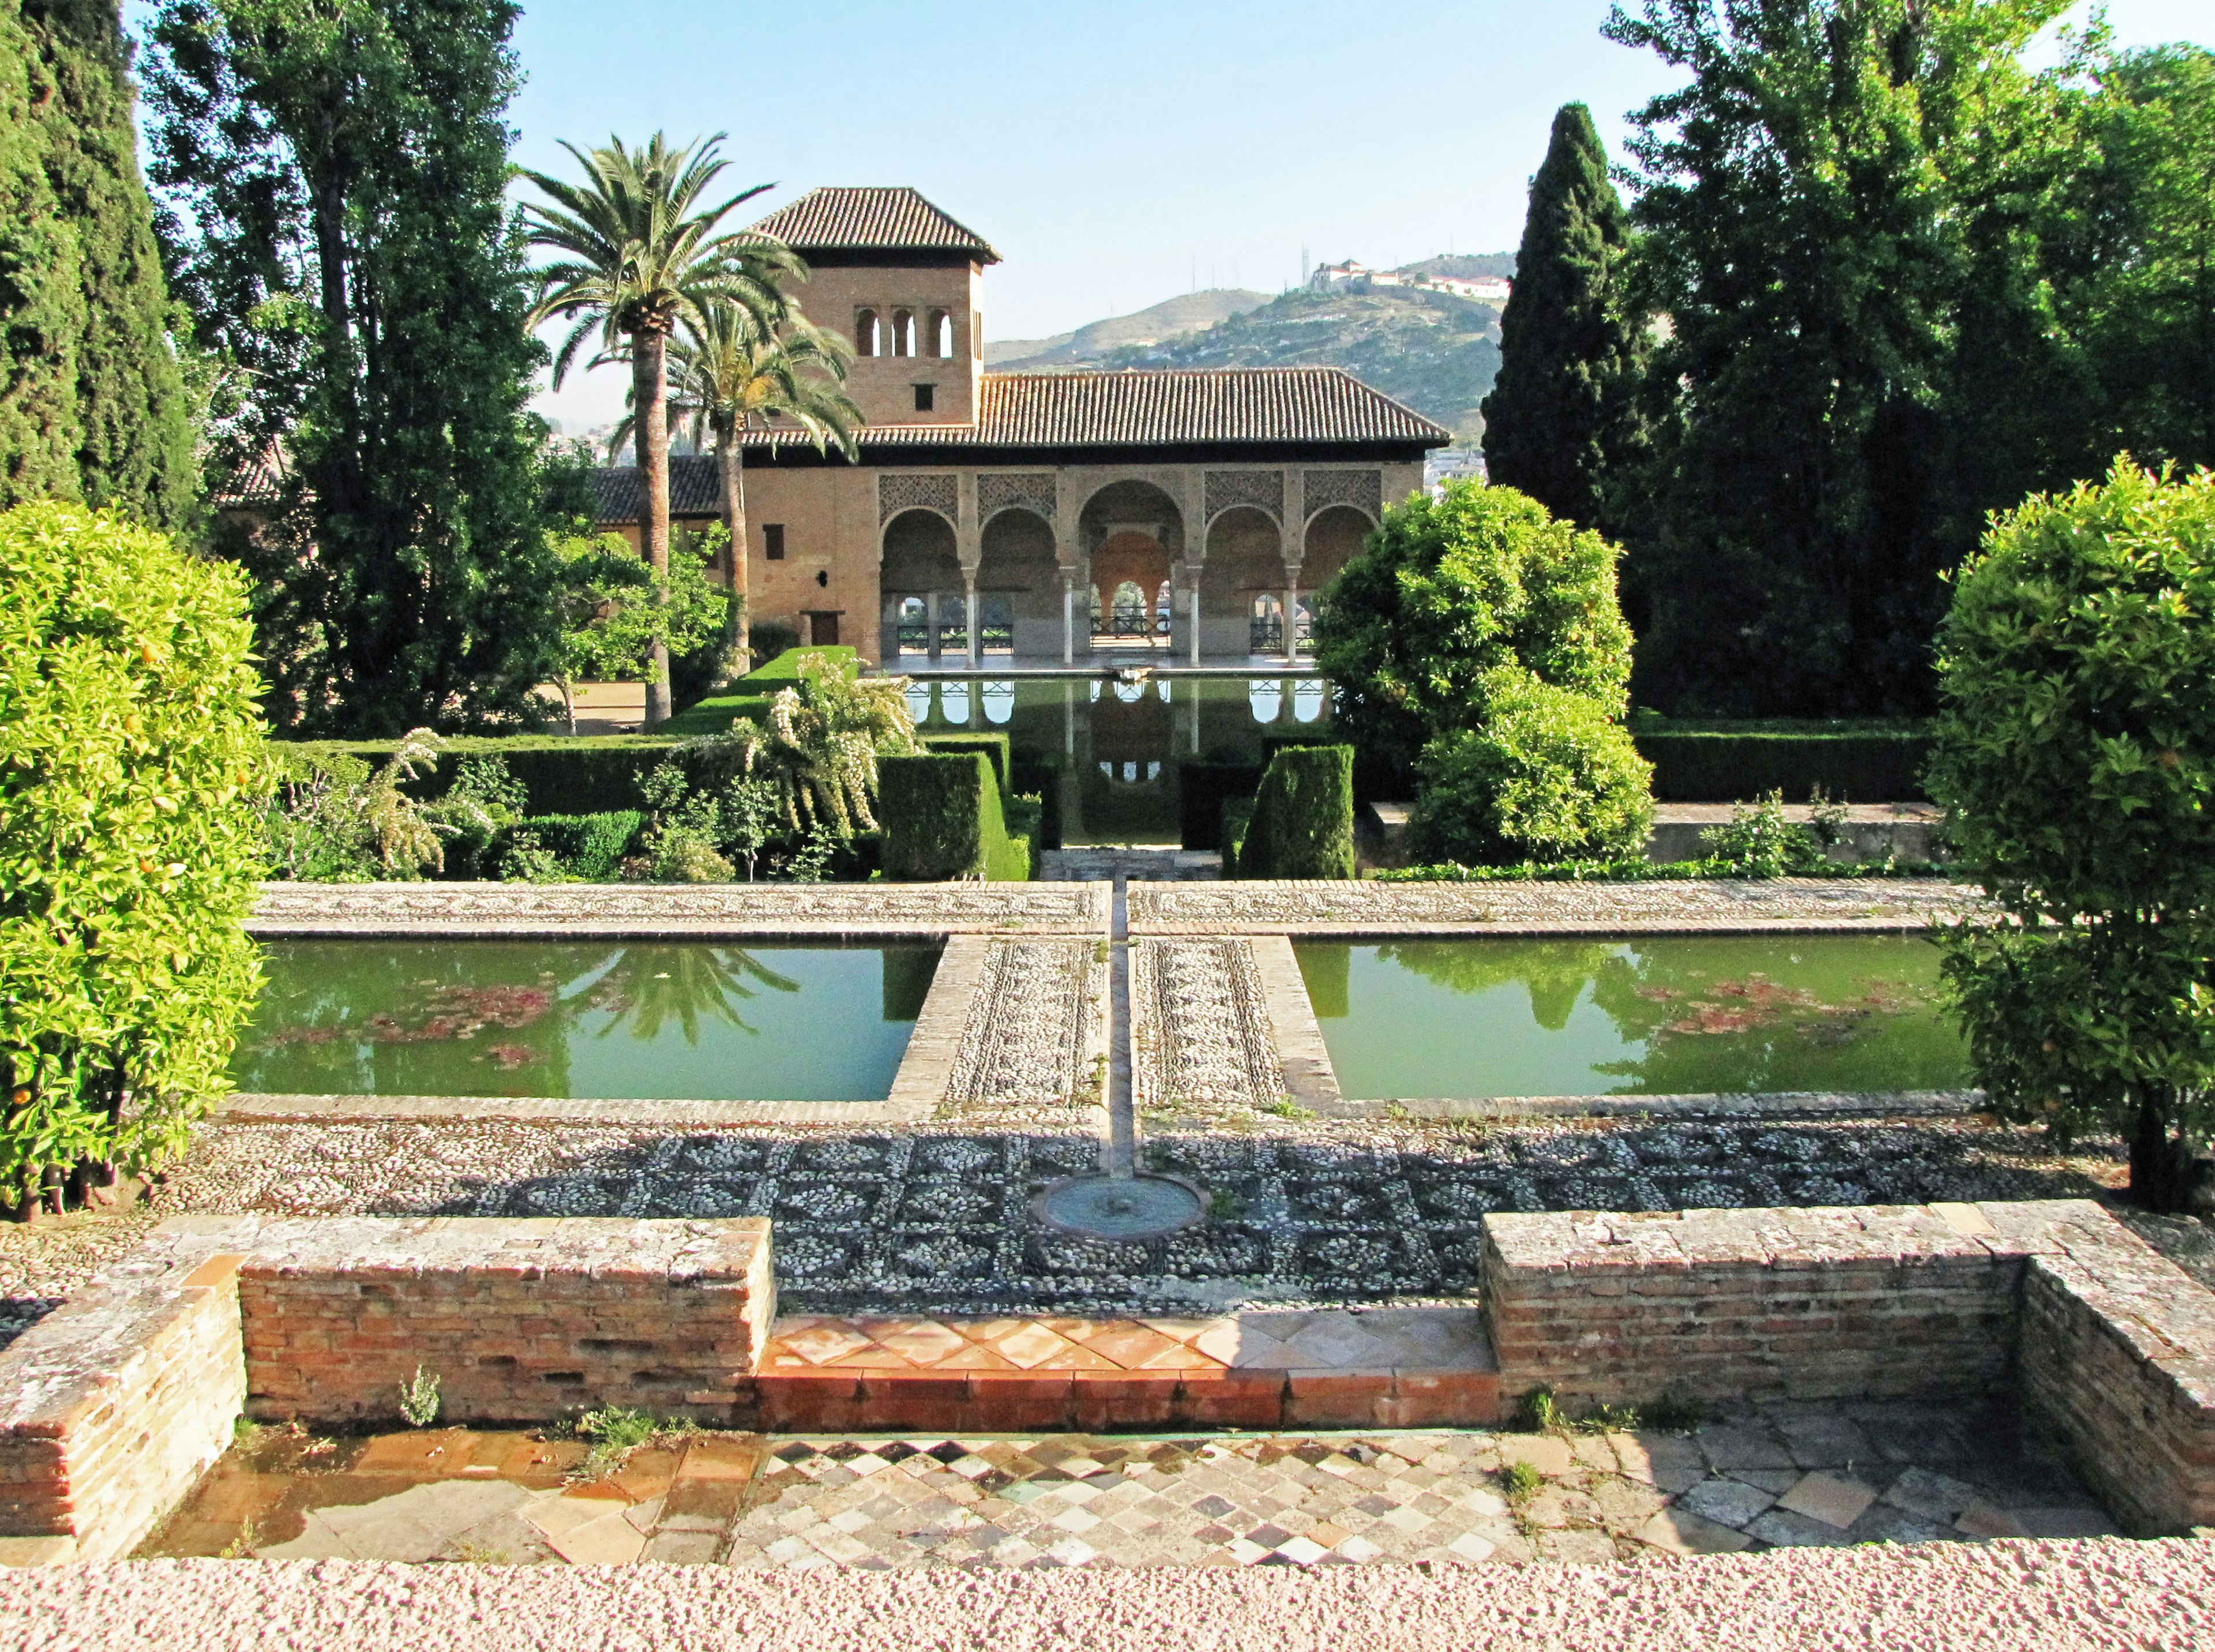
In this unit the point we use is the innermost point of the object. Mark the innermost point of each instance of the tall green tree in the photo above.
(1802, 234)
(638, 254)
(1563, 417)
(93, 404)
(336, 171)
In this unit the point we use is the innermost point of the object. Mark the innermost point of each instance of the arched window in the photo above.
(903, 332)
(866, 341)
(939, 339)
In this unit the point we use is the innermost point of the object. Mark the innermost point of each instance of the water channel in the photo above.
(1117, 742)
(602, 1021)
(1656, 1016)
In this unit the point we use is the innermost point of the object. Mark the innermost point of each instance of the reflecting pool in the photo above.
(1117, 742)
(1667, 1014)
(697, 1021)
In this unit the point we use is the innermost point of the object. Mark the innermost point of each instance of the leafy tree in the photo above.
(2075, 753)
(639, 254)
(1563, 416)
(1803, 236)
(93, 404)
(1450, 590)
(1550, 775)
(731, 375)
(131, 761)
(613, 617)
(335, 171)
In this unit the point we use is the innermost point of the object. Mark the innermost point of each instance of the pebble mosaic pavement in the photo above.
(940, 1220)
(1758, 1478)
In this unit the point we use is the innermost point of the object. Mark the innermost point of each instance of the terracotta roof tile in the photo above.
(871, 220)
(1233, 406)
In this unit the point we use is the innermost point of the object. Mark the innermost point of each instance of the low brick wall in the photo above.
(2109, 1346)
(2118, 1360)
(522, 1320)
(116, 1403)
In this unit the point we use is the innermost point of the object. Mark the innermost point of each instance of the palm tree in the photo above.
(642, 255)
(727, 374)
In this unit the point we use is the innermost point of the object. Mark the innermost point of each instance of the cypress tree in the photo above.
(1562, 414)
(93, 405)
(338, 169)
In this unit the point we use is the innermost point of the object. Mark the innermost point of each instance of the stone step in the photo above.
(1331, 1368)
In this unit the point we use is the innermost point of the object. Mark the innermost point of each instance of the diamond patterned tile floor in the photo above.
(1298, 1499)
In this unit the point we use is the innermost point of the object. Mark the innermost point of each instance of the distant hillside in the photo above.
(1434, 352)
(1090, 344)
(1466, 266)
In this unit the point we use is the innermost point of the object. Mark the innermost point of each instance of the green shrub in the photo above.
(1038, 775)
(588, 846)
(1550, 775)
(2075, 753)
(558, 775)
(133, 769)
(1450, 590)
(1303, 820)
(716, 712)
(819, 745)
(944, 818)
(1760, 842)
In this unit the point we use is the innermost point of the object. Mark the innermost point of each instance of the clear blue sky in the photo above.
(1116, 154)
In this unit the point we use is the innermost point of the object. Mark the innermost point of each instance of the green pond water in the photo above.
(1673, 1015)
(601, 1021)
(1118, 742)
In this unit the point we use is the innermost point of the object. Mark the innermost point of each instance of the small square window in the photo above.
(773, 541)
(924, 397)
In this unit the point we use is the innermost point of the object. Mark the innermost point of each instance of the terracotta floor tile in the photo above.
(925, 1344)
(974, 1357)
(1219, 1341)
(870, 1357)
(1130, 1346)
(1077, 1357)
(819, 1344)
(1179, 1357)
(1031, 1345)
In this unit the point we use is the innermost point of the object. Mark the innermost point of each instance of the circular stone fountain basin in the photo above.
(1101, 1206)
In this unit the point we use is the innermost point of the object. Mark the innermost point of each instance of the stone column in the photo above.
(969, 550)
(1195, 549)
(1292, 613)
(930, 623)
(1295, 541)
(1068, 616)
(1192, 624)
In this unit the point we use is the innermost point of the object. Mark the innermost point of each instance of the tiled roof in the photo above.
(695, 489)
(1145, 407)
(1229, 406)
(872, 220)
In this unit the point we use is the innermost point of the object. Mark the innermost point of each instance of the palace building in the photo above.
(1035, 517)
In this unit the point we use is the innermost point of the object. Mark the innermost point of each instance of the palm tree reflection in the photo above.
(643, 988)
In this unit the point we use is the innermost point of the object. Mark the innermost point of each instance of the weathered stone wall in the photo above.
(521, 1321)
(114, 1405)
(2118, 1358)
(2109, 1344)
(1723, 1304)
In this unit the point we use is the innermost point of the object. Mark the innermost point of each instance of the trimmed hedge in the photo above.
(590, 846)
(750, 696)
(1205, 785)
(1303, 820)
(1722, 763)
(1237, 821)
(944, 818)
(994, 747)
(591, 775)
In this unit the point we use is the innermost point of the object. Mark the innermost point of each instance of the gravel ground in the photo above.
(2022, 1596)
(940, 1220)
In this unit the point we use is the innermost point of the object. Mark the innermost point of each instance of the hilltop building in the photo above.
(1353, 277)
(1036, 515)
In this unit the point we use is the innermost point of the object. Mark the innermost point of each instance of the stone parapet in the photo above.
(114, 1405)
(521, 1320)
